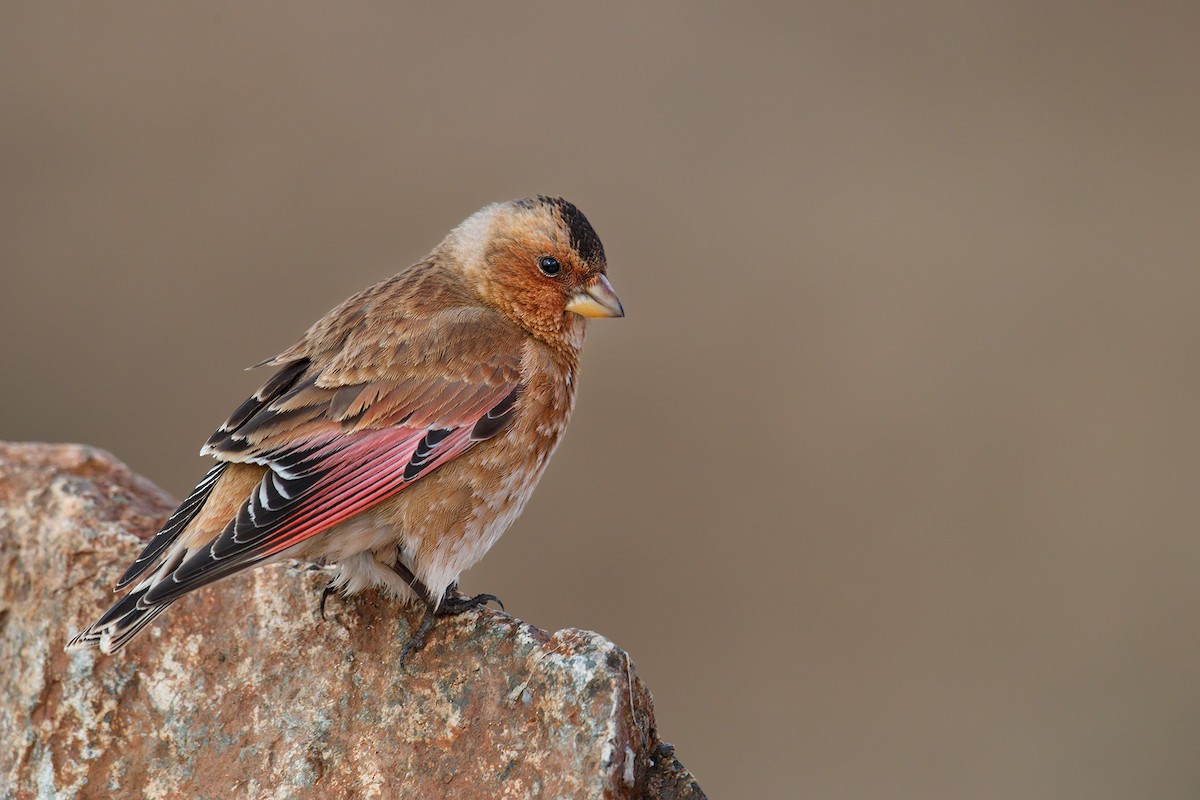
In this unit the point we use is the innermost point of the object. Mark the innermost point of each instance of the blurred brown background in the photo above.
(888, 479)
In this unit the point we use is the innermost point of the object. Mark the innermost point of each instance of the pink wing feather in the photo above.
(315, 484)
(363, 474)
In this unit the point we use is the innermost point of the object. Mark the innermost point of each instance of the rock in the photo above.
(240, 690)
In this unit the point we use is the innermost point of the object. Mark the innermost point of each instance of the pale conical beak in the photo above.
(596, 300)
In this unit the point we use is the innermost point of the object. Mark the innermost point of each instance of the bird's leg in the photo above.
(416, 640)
(406, 575)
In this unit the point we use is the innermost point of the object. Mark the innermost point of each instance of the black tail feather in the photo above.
(119, 624)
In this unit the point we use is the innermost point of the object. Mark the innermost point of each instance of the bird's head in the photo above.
(537, 261)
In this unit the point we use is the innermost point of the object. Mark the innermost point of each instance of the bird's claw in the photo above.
(416, 639)
(328, 590)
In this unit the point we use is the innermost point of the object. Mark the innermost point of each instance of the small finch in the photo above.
(403, 433)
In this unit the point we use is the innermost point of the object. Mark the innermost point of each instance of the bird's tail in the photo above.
(120, 623)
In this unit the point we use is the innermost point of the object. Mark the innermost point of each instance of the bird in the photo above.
(404, 432)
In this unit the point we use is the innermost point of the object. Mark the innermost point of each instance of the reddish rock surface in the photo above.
(239, 691)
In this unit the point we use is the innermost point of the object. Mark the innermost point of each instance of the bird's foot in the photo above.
(454, 605)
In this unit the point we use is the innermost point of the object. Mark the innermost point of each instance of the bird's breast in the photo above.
(446, 521)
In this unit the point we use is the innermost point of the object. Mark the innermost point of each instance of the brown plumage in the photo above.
(406, 429)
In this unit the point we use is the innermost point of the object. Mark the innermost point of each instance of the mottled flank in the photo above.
(271, 703)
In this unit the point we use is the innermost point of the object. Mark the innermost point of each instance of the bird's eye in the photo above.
(549, 265)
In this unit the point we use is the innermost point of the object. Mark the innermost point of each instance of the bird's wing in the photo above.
(347, 424)
(280, 382)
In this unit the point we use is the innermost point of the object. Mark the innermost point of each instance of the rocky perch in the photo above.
(249, 694)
